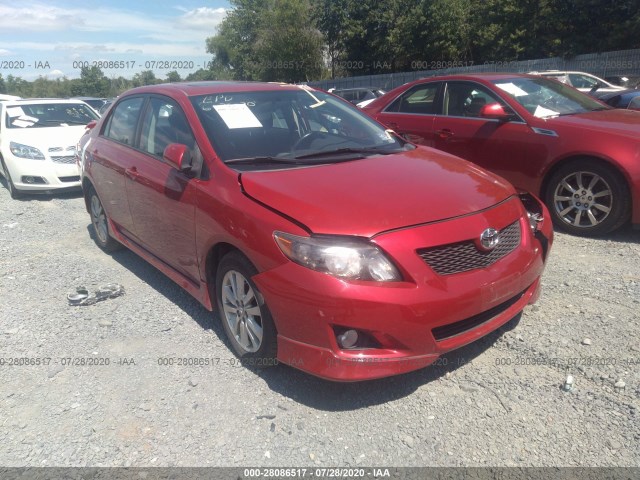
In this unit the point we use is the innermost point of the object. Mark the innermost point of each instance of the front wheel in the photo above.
(245, 317)
(588, 198)
(13, 191)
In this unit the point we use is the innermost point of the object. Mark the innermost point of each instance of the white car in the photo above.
(38, 140)
(585, 82)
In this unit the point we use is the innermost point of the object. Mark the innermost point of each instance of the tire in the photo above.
(100, 223)
(245, 317)
(588, 198)
(13, 191)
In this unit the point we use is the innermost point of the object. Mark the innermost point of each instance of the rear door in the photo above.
(413, 112)
(162, 199)
(111, 155)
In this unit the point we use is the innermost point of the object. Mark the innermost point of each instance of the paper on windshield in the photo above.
(15, 111)
(28, 118)
(542, 112)
(512, 89)
(22, 123)
(237, 116)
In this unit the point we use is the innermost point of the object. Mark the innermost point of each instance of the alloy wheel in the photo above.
(99, 219)
(583, 199)
(242, 311)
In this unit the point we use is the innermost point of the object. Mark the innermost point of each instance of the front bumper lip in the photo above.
(357, 365)
(47, 169)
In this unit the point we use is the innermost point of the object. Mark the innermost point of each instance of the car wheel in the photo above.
(245, 317)
(100, 224)
(588, 198)
(13, 191)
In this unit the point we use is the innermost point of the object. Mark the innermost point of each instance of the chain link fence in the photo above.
(622, 62)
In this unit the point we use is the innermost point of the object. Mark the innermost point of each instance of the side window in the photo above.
(121, 125)
(634, 104)
(582, 81)
(420, 99)
(163, 123)
(466, 99)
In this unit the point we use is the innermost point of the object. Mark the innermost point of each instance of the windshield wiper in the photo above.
(341, 151)
(286, 160)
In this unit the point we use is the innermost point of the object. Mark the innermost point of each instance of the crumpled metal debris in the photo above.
(82, 296)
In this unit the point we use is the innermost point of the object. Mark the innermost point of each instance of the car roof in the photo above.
(209, 87)
(40, 101)
(478, 76)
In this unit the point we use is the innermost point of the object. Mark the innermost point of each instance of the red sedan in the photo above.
(324, 241)
(580, 156)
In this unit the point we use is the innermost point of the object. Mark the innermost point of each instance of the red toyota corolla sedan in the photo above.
(577, 154)
(324, 241)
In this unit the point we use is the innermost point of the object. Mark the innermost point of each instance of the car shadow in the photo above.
(331, 396)
(46, 195)
(297, 385)
(626, 234)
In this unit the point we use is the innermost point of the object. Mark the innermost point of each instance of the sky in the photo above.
(56, 38)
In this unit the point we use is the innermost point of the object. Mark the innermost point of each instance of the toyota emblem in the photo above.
(489, 239)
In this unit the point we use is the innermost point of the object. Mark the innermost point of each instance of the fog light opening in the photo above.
(29, 180)
(348, 339)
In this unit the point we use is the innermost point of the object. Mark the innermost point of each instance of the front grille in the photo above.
(451, 330)
(464, 256)
(74, 178)
(65, 159)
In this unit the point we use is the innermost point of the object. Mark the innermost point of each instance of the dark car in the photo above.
(324, 241)
(628, 99)
(94, 102)
(627, 81)
(577, 153)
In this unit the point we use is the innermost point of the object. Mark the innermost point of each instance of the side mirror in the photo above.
(178, 156)
(495, 111)
(91, 124)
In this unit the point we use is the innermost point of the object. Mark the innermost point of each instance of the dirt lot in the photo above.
(498, 402)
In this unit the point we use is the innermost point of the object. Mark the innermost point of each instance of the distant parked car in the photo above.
(585, 82)
(626, 81)
(358, 95)
(94, 102)
(38, 142)
(626, 99)
(323, 240)
(106, 106)
(575, 152)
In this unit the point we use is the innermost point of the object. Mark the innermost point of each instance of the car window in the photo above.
(122, 123)
(635, 103)
(582, 81)
(43, 115)
(164, 123)
(288, 124)
(420, 99)
(466, 99)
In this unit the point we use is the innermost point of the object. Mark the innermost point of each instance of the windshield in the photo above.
(48, 115)
(548, 98)
(290, 126)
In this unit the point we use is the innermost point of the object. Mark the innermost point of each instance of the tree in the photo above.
(92, 83)
(173, 77)
(146, 77)
(3, 86)
(271, 40)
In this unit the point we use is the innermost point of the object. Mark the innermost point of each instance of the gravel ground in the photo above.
(497, 402)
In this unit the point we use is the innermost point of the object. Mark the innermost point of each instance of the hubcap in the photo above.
(583, 199)
(99, 219)
(241, 310)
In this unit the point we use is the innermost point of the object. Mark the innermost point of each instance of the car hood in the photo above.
(368, 196)
(616, 121)
(45, 138)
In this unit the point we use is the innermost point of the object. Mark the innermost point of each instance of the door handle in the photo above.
(444, 133)
(132, 173)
